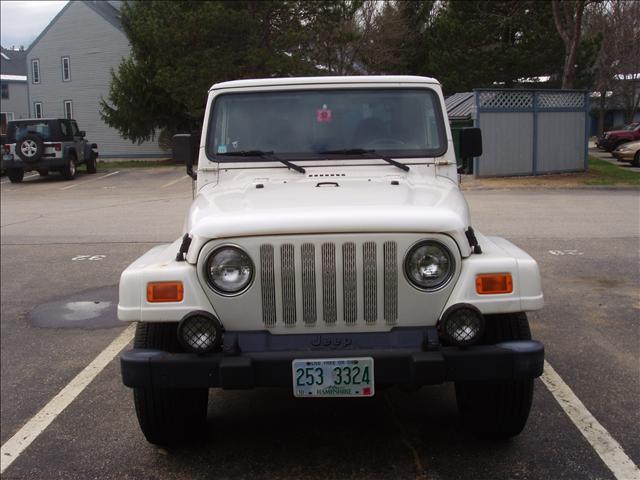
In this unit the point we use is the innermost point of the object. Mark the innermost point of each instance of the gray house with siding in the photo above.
(69, 69)
(13, 80)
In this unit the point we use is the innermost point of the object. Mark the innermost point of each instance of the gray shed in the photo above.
(526, 132)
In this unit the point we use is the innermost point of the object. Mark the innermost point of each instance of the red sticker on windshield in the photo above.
(323, 114)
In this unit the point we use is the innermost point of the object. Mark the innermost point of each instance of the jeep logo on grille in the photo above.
(333, 341)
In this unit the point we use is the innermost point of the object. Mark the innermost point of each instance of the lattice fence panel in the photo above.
(506, 100)
(561, 100)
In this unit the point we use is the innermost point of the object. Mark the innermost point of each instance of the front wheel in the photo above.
(168, 416)
(499, 409)
(92, 163)
(636, 160)
(16, 175)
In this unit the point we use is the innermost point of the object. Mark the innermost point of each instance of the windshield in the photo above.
(326, 123)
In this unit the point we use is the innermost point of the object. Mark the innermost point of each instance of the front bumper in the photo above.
(409, 357)
(623, 156)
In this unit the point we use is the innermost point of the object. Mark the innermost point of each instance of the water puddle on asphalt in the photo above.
(91, 309)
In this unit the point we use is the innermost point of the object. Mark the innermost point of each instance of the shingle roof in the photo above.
(460, 105)
(106, 10)
(13, 62)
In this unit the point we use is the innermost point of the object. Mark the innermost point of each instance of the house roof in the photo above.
(13, 64)
(460, 105)
(109, 11)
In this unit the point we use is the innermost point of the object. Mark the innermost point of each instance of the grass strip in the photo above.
(116, 164)
(604, 173)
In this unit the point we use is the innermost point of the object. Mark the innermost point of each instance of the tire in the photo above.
(70, 170)
(168, 416)
(43, 173)
(636, 160)
(30, 148)
(16, 175)
(92, 163)
(497, 410)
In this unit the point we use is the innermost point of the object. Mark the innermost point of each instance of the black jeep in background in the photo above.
(46, 145)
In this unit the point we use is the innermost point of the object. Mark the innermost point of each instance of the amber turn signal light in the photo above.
(165, 292)
(494, 283)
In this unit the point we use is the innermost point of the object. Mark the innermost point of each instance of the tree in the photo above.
(180, 48)
(568, 19)
(471, 44)
(335, 35)
(615, 23)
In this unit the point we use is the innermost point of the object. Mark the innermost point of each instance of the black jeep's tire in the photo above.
(16, 175)
(92, 163)
(497, 410)
(30, 148)
(43, 173)
(168, 416)
(636, 160)
(70, 170)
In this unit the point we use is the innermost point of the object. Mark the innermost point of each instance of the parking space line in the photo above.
(87, 181)
(598, 437)
(26, 176)
(13, 447)
(174, 181)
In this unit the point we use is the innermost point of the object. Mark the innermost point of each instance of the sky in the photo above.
(22, 21)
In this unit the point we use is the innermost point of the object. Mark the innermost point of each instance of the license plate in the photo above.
(333, 377)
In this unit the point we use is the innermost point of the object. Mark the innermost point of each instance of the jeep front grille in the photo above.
(354, 268)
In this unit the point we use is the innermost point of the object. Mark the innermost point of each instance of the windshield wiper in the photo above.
(262, 154)
(362, 151)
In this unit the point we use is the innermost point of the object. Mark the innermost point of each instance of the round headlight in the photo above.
(429, 265)
(229, 270)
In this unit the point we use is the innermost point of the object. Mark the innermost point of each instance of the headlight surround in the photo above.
(429, 265)
(229, 270)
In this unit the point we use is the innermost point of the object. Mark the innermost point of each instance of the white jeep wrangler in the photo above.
(329, 251)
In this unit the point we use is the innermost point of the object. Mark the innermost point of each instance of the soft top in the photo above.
(292, 81)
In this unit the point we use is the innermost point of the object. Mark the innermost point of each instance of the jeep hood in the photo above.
(329, 205)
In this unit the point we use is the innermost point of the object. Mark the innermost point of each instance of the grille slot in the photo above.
(267, 281)
(308, 283)
(350, 282)
(333, 283)
(329, 308)
(390, 255)
(287, 254)
(369, 282)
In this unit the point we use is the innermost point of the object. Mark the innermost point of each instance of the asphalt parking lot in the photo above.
(64, 244)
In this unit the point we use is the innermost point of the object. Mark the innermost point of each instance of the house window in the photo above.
(66, 70)
(37, 109)
(68, 109)
(5, 90)
(35, 71)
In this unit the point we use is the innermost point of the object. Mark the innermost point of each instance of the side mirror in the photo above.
(82, 133)
(185, 151)
(470, 143)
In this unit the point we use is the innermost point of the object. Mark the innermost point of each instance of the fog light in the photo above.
(200, 332)
(461, 325)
